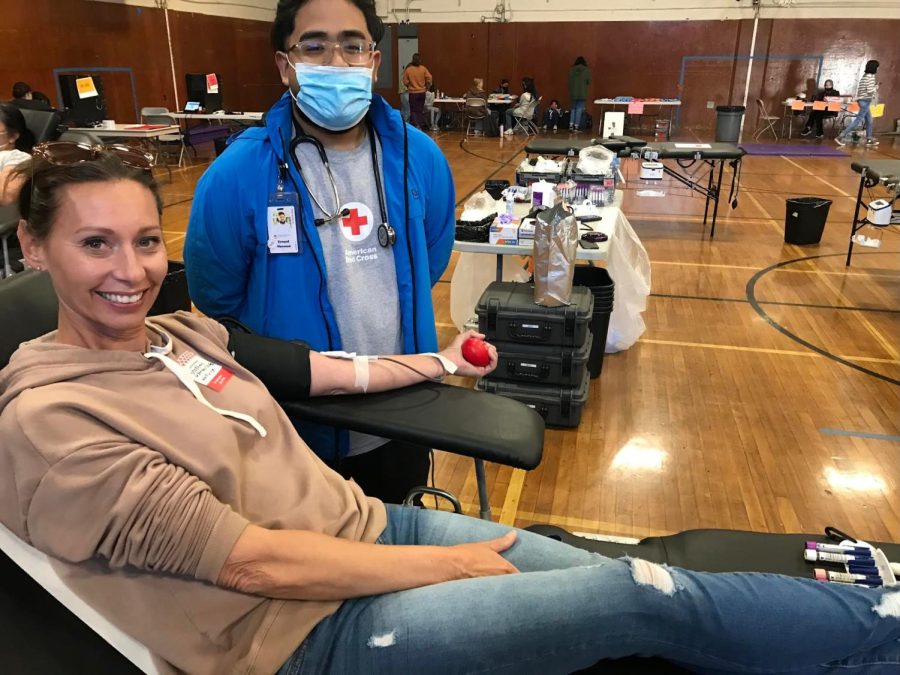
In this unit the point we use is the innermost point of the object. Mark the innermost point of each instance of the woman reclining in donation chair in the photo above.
(180, 502)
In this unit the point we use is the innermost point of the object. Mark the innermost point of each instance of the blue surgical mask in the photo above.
(333, 97)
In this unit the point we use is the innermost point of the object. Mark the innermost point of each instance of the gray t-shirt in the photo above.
(362, 280)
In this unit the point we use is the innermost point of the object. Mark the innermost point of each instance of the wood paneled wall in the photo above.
(40, 35)
(645, 58)
(627, 58)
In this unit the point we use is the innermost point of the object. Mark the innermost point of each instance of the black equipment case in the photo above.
(542, 365)
(507, 313)
(559, 406)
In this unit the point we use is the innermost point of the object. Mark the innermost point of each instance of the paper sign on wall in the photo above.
(798, 105)
(86, 87)
(853, 108)
(878, 110)
(819, 105)
(212, 84)
(834, 106)
(636, 108)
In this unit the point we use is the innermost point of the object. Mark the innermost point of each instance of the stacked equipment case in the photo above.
(543, 351)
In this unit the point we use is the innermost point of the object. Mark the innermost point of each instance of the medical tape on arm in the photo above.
(360, 367)
(448, 365)
(361, 372)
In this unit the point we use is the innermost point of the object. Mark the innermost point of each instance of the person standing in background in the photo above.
(865, 96)
(404, 96)
(417, 78)
(579, 81)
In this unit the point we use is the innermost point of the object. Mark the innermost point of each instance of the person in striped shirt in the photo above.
(865, 96)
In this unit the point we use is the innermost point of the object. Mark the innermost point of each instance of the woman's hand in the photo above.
(464, 368)
(482, 558)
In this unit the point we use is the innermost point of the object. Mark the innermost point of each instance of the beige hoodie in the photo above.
(111, 465)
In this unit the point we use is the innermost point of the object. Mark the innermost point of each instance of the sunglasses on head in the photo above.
(69, 152)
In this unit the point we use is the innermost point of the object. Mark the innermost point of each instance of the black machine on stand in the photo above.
(84, 107)
(205, 89)
(873, 172)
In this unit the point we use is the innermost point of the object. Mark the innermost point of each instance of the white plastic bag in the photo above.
(478, 206)
(629, 267)
(473, 273)
(595, 160)
(540, 165)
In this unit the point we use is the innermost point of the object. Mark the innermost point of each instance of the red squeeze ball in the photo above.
(476, 352)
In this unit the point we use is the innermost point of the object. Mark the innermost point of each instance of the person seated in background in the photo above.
(476, 89)
(552, 115)
(432, 112)
(488, 125)
(42, 99)
(190, 512)
(23, 97)
(16, 141)
(523, 105)
(21, 91)
(817, 117)
(498, 110)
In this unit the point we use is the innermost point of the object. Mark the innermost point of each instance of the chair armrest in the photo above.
(441, 416)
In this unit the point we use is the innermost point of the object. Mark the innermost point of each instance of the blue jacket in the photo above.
(230, 271)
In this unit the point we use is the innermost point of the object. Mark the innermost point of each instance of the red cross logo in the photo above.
(354, 221)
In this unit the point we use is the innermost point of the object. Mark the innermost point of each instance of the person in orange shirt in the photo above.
(417, 80)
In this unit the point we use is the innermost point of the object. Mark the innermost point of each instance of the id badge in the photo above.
(281, 222)
(207, 373)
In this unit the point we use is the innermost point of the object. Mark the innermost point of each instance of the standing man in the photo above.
(367, 232)
(404, 97)
(579, 81)
(417, 80)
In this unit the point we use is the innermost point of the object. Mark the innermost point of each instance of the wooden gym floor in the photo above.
(722, 415)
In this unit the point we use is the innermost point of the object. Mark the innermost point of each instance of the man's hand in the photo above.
(453, 352)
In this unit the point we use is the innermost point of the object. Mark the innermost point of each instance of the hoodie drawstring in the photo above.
(162, 354)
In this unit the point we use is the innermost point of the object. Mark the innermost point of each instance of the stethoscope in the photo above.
(387, 235)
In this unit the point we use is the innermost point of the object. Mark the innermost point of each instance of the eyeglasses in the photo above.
(355, 51)
(69, 152)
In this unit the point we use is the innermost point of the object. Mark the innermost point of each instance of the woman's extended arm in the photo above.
(302, 565)
(339, 376)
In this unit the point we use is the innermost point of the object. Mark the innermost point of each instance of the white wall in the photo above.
(259, 10)
(436, 11)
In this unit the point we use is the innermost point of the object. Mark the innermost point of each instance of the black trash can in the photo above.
(728, 123)
(603, 289)
(804, 220)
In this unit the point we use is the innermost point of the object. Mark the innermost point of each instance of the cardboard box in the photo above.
(504, 234)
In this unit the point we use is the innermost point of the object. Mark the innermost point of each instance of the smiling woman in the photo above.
(94, 224)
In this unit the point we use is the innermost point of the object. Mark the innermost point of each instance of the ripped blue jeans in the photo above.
(570, 608)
